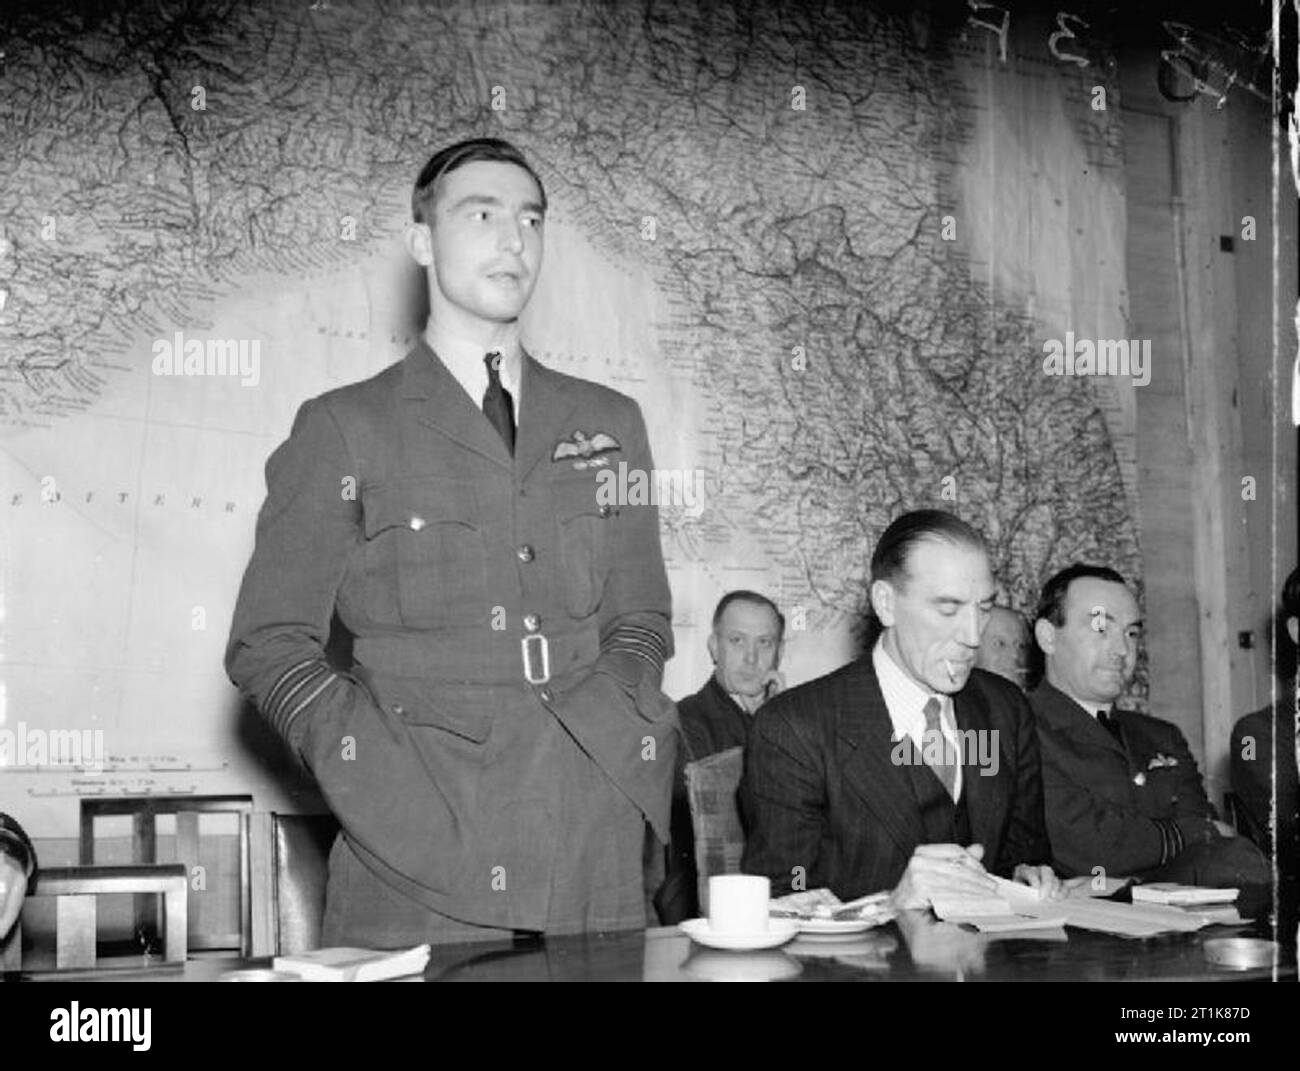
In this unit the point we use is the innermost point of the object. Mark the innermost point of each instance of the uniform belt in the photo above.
(479, 657)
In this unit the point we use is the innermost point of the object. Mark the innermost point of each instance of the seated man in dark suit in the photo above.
(17, 865)
(1123, 794)
(745, 645)
(1267, 789)
(843, 784)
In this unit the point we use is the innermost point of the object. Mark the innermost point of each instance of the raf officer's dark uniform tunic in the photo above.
(502, 740)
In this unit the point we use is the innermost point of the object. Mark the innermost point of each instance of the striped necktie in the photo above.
(946, 771)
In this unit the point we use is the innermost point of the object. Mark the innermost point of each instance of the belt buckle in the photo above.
(529, 658)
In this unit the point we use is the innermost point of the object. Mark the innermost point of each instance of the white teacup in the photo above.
(738, 903)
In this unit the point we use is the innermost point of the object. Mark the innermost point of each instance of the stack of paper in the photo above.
(1168, 892)
(1126, 920)
(1002, 911)
(1083, 888)
(354, 964)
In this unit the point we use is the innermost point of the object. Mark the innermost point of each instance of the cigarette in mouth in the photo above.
(951, 675)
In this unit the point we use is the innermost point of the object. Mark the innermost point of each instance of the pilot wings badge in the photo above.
(586, 451)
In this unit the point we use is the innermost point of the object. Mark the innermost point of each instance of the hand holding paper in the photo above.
(942, 870)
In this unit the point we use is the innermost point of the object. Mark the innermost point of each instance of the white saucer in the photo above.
(778, 932)
(835, 927)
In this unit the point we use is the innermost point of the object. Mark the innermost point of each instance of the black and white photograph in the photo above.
(631, 491)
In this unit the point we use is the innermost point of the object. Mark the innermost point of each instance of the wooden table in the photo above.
(916, 947)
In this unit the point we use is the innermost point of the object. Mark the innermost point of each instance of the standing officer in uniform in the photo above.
(495, 753)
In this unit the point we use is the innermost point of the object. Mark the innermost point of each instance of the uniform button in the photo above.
(525, 553)
(604, 511)
(398, 708)
(545, 694)
(532, 622)
(417, 523)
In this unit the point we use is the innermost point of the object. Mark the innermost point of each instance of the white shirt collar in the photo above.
(463, 358)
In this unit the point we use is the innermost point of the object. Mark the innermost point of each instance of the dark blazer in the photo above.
(820, 791)
(1254, 778)
(457, 781)
(1105, 800)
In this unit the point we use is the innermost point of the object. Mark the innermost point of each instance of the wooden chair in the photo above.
(711, 784)
(76, 889)
(289, 864)
(144, 812)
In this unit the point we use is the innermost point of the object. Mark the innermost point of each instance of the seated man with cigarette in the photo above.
(1123, 795)
(17, 865)
(908, 769)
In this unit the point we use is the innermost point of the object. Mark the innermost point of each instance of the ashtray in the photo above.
(1240, 953)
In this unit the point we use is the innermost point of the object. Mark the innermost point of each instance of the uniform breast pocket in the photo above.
(586, 533)
(424, 556)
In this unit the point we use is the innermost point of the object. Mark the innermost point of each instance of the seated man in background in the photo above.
(1267, 789)
(17, 865)
(1005, 645)
(843, 784)
(1122, 790)
(745, 645)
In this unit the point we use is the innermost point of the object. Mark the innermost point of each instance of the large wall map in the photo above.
(824, 251)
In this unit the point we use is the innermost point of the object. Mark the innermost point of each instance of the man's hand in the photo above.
(942, 870)
(13, 887)
(1224, 829)
(1042, 878)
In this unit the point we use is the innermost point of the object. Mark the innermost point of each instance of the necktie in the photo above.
(1111, 724)
(498, 406)
(946, 771)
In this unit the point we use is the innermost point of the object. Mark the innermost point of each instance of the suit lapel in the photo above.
(432, 396)
(545, 407)
(1066, 716)
(865, 743)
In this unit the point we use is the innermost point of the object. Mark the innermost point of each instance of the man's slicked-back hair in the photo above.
(445, 161)
(757, 599)
(1051, 603)
(889, 562)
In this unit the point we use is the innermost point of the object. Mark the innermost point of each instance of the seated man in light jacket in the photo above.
(17, 867)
